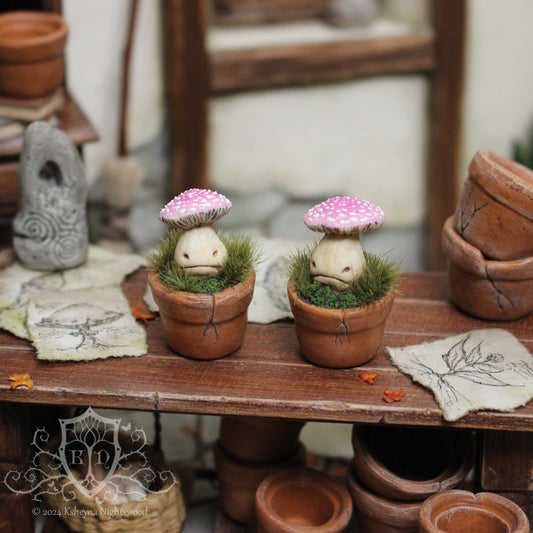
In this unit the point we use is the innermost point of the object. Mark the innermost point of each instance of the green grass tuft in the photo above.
(243, 255)
(380, 277)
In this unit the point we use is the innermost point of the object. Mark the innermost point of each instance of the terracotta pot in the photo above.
(458, 511)
(203, 326)
(301, 499)
(259, 440)
(339, 338)
(411, 463)
(493, 290)
(377, 514)
(239, 481)
(495, 213)
(31, 53)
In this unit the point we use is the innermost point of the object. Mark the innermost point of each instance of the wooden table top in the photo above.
(267, 376)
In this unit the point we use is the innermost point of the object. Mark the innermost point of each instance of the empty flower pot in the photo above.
(31, 53)
(302, 499)
(411, 463)
(204, 326)
(259, 440)
(239, 481)
(493, 290)
(458, 511)
(378, 514)
(339, 338)
(495, 213)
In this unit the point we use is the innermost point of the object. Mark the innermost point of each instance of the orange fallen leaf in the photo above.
(393, 395)
(369, 377)
(139, 314)
(21, 379)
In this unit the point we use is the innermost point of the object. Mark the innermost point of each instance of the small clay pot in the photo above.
(203, 326)
(493, 290)
(259, 440)
(302, 499)
(338, 338)
(239, 481)
(457, 511)
(378, 514)
(495, 213)
(411, 463)
(32, 47)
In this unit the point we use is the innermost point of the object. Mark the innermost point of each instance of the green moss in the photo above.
(380, 277)
(243, 255)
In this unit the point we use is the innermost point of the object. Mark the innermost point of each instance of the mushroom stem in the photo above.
(200, 251)
(338, 261)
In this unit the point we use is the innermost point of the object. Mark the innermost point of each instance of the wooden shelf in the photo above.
(267, 376)
(261, 68)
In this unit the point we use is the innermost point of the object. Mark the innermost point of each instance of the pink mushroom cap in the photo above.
(194, 207)
(344, 215)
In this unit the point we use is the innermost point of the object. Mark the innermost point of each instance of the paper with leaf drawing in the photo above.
(481, 369)
(103, 268)
(83, 325)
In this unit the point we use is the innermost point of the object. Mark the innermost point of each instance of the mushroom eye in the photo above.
(313, 264)
(346, 269)
(215, 253)
(186, 255)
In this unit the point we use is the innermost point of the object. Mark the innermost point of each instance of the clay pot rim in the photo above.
(206, 299)
(239, 469)
(341, 501)
(454, 472)
(350, 312)
(57, 24)
(442, 502)
(376, 506)
(508, 176)
(457, 249)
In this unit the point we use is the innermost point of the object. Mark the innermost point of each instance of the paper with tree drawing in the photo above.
(84, 325)
(481, 369)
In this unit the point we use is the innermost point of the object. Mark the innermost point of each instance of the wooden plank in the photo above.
(15, 514)
(9, 187)
(260, 68)
(235, 384)
(186, 91)
(449, 21)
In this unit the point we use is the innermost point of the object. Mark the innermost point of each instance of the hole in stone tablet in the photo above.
(51, 172)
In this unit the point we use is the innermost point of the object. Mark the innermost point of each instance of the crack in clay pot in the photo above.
(464, 209)
(211, 322)
(338, 335)
(500, 295)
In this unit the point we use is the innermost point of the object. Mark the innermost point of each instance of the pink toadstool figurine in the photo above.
(199, 250)
(338, 260)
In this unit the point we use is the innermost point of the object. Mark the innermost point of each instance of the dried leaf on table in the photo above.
(393, 395)
(139, 314)
(369, 377)
(20, 380)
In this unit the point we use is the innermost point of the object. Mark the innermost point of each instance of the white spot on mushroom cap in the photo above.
(195, 207)
(344, 215)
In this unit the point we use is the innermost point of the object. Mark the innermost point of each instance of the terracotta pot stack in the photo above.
(456, 511)
(395, 469)
(489, 240)
(247, 451)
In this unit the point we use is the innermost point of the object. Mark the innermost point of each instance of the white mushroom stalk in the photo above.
(338, 260)
(199, 250)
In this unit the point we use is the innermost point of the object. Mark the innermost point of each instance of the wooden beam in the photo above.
(186, 83)
(449, 22)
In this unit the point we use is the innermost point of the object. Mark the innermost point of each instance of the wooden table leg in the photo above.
(15, 440)
(507, 465)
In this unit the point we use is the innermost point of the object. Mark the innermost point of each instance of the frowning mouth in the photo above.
(202, 270)
(326, 280)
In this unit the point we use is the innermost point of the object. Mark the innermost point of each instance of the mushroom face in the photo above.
(200, 252)
(338, 260)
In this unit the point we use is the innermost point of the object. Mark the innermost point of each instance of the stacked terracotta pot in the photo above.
(489, 240)
(395, 469)
(247, 451)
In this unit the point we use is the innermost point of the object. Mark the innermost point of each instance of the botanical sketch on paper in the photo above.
(481, 369)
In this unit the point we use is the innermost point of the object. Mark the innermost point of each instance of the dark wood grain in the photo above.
(273, 66)
(267, 376)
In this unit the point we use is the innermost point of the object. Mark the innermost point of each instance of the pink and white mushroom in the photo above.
(199, 249)
(338, 260)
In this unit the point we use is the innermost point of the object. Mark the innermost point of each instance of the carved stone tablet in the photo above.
(50, 229)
